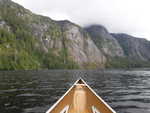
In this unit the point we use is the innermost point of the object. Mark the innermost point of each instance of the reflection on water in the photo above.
(36, 91)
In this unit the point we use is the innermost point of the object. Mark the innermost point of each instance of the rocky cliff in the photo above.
(105, 41)
(121, 50)
(40, 42)
(134, 48)
(80, 46)
(30, 41)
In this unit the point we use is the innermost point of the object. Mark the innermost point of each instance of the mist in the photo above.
(118, 16)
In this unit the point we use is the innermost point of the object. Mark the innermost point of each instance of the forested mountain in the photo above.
(31, 41)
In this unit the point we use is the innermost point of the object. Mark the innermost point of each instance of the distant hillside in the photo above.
(30, 41)
(121, 50)
(134, 48)
(105, 41)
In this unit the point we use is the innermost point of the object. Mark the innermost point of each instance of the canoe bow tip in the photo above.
(80, 81)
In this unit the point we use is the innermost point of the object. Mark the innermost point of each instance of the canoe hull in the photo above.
(80, 98)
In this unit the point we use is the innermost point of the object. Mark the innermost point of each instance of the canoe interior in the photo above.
(80, 98)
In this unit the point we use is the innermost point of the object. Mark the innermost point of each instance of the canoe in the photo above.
(80, 98)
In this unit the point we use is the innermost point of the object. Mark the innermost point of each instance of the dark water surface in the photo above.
(36, 91)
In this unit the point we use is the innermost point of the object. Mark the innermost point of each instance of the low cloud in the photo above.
(127, 16)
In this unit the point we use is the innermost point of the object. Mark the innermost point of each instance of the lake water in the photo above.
(35, 91)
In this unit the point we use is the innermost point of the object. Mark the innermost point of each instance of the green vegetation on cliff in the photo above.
(29, 42)
(119, 62)
(18, 51)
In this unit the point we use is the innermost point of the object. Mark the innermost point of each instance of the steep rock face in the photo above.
(48, 33)
(30, 41)
(104, 41)
(63, 39)
(43, 28)
(81, 47)
(134, 48)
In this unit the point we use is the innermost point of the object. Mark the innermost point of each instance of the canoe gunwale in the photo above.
(53, 106)
(98, 96)
(84, 84)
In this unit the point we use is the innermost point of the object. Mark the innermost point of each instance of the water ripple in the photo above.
(127, 91)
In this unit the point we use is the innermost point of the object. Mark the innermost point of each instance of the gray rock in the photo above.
(134, 48)
(104, 41)
(81, 48)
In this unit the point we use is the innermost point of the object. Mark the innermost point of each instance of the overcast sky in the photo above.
(125, 16)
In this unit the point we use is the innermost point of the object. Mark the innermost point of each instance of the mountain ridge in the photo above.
(31, 41)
